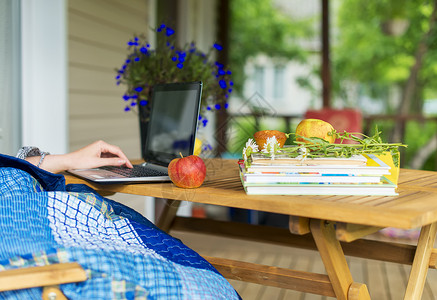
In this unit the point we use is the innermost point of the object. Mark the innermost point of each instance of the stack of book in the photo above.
(357, 175)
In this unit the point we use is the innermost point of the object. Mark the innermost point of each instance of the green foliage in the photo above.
(364, 53)
(418, 134)
(258, 27)
(241, 130)
(317, 147)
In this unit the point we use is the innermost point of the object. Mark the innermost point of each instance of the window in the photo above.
(278, 82)
(260, 80)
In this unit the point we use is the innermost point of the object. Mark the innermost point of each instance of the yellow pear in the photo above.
(314, 128)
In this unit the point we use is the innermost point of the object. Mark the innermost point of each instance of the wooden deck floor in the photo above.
(385, 281)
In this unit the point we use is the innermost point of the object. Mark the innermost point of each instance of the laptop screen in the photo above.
(173, 119)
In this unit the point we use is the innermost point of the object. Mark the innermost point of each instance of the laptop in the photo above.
(170, 132)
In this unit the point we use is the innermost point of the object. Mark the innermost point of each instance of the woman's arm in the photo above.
(94, 155)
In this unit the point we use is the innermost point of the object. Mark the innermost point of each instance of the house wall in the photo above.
(98, 31)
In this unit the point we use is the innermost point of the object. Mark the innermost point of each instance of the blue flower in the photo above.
(143, 49)
(174, 58)
(208, 107)
(181, 59)
(117, 77)
(200, 117)
(126, 97)
(134, 97)
(133, 103)
(230, 90)
(137, 59)
(226, 105)
(180, 65)
(169, 31)
(160, 28)
(221, 72)
(218, 47)
(127, 108)
(138, 89)
(217, 106)
(143, 102)
(231, 83)
(222, 84)
(229, 72)
(205, 121)
(128, 61)
(219, 65)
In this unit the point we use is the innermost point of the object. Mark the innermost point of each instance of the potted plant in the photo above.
(144, 67)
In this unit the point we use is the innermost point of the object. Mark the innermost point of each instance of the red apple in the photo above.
(187, 172)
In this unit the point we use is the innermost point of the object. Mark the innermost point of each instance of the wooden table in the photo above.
(334, 225)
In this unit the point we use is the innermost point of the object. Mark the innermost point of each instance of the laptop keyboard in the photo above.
(137, 171)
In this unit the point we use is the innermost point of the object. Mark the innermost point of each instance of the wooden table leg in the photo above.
(335, 262)
(419, 269)
(168, 214)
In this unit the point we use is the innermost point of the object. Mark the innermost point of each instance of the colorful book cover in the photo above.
(384, 188)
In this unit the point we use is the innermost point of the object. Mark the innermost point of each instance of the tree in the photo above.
(257, 26)
(364, 53)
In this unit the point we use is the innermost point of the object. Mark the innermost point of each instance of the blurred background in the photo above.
(287, 57)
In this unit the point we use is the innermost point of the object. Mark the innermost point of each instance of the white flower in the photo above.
(250, 148)
(303, 153)
(271, 146)
(251, 143)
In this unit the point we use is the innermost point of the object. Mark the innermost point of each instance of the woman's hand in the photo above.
(95, 155)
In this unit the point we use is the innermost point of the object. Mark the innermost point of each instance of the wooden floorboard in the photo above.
(385, 280)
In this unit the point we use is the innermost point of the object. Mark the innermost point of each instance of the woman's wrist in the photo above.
(51, 163)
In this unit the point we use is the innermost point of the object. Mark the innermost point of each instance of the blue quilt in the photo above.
(43, 221)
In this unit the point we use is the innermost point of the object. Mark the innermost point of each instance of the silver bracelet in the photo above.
(42, 158)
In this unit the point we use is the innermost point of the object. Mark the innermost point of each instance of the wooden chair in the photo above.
(48, 277)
